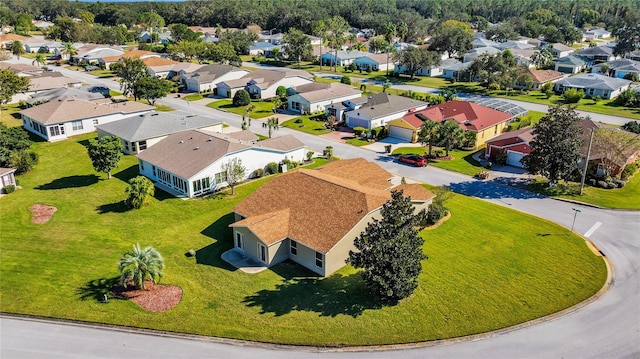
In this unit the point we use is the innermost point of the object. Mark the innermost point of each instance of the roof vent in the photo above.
(181, 141)
(154, 114)
(197, 148)
(209, 139)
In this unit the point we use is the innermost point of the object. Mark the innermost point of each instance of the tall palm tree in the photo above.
(451, 134)
(337, 26)
(428, 134)
(17, 48)
(40, 59)
(271, 124)
(320, 30)
(69, 50)
(138, 265)
(247, 111)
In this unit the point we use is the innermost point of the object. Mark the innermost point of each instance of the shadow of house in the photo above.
(70, 182)
(491, 190)
(126, 174)
(220, 232)
(332, 296)
(97, 289)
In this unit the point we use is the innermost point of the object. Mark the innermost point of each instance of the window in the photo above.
(77, 125)
(141, 165)
(56, 130)
(294, 248)
(221, 177)
(319, 259)
(95, 121)
(495, 130)
(126, 145)
(239, 241)
(262, 250)
(142, 145)
(153, 168)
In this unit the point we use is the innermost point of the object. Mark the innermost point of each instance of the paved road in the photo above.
(609, 327)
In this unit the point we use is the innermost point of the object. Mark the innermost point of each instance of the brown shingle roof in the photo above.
(333, 91)
(290, 205)
(282, 143)
(158, 61)
(542, 76)
(68, 109)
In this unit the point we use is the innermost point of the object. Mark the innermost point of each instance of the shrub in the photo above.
(573, 95)
(597, 99)
(358, 131)
(489, 164)
(309, 155)
(629, 170)
(603, 184)
(241, 98)
(257, 173)
(547, 89)
(290, 164)
(346, 80)
(271, 168)
(483, 175)
(328, 152)
(633, 76)
(632, 126)
(612, 184)
(9, 188)
(298, 120)
(281, 92)
(501, 158)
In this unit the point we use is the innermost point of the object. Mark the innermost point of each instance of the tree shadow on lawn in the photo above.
(126, 174)
(117, 207)
(96, 289)
(220, 232)
(70, 182)
(330, 297)
(491, 190)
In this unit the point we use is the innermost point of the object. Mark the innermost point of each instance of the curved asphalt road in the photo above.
(608, 327)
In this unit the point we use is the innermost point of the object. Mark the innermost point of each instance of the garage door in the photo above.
(357, 122)
(513, 159)
(402, 133)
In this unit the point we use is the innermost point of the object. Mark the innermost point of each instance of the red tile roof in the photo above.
(468, 115)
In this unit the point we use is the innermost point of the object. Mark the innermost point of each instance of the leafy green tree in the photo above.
(547, 89)
(632, 76)
(555, 148)
(139, 265)
(437, 209)
(428, 134)
(628, 98)
(271, 124)
(454, 37)
(632, 126)
(65, 30)
(572, 95)
(23, 161)
(17, 48)
(541, 59)
(298, 45)
(105, 153)
(235, 171)
(503, 32)
(23, 22)
(180, 32)
(131, 71)
(239, 40)
(11, 84)
(451, 135)
(613, 143)
(281, 92)
(345, 80)
(241, 98)
(15, 149)
(139, 189)
(337, 26)
(152, 88)
(390, 250)
(414, 59)
(151, 21)
(86, 16)
(628, 39)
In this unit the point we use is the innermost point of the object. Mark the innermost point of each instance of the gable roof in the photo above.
(67, 109)
(573, 60)
(265, 78)
(542, 76)
(158, 61)
(56, 93)
(12, 37)
(411, 120)
(383, 104)
(50, 80)
(288, 205)
(561, 47)
(622, 65)
(155, 124)
(468, 115)
(595, 81)
(348, 55)
(19, 68)
(209, 73)
(379, 58)
(596, 51)
(522, 135)
(333, 91)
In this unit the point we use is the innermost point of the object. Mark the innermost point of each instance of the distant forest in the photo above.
(422, 15)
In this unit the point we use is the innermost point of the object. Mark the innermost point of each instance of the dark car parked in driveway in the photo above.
(415, 160)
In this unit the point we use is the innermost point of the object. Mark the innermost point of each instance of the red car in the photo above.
(415, 160)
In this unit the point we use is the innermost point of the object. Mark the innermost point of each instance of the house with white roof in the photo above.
(376, 62)
(92, 53)
(596, 33)
(559, 50)
(139, 132)
(318, 96)
(598, 54)
(473, 54)
(190, 163)
(514, 45)
(343, 58)
(380, 109)
(452, 68)
(619, 68)
(263, 83)
(264, 48)
(68, 116)
(207, 77)
(593, 85)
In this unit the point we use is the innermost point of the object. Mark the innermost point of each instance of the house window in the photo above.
(221, 177)
(77, 125)
(142, 145)
(126, 145)
(294, 248)
(56, 130)
(495, 130)
(141, 165)
(239, 240)
(605, 94)
(319, 259)
(262, 250)
(154, 170)
(95, 121)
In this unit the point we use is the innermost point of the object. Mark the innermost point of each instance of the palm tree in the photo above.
(320, 30)
(277, 102)
(248, 110)
(541, 58)
(140, 188)
(389, 36)
(338, 26)
(428, 134)
(69, 50)
(272, 123)
(39, 59)
(451, 134)
(17, 48)
(140, 264)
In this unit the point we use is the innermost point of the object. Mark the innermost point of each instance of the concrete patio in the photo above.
(240, 260)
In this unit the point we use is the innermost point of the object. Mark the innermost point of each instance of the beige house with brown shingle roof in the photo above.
(133, 54)
(263, 83)
(312, 217)
(68, 116)
(316, 96)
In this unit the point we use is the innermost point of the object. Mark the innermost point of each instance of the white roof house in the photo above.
(316, 97)
(594, 85)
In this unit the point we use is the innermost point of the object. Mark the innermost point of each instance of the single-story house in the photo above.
(339, 109)
(263, 83)
(514, 45)
(380, 109)
(377, 62)
(523, 57)
(475, 53)
(7, 39)
(57, 93)
(7, 177)
(483, 42)
(613, 160)
(572, 64)
(133, 54)
(68, 116)
(406, 128)
(140, 132)
(189, 163)
(280, 220)
(598, 54)
(316, 97)
(485, 122)
(344, 58)
(164, 37)
(596, 33)
(452, 68)
(619, 68)
(559, 50)
(540, 77)
(633, 55)
(264, 48)
(431, 71)
(593, 85)
(36, 44)
(515, 143)
(160, 66)
(207, 77)
(92, 53)
(45, 81)
(315, 41)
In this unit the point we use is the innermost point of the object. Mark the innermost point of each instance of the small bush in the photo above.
(271, 168)
(328, 152)
(290, 164)
(629, 170)
(309, 155)
(298, 120)
(436, 212)
(592, 181)
(488, 165)
(346, 80)
(501, 157)
(620, 183)
(573, 95)
(9, 189)
(483, 175)
(358, 131)
(603, 184)
(257, 173)
(612, 185)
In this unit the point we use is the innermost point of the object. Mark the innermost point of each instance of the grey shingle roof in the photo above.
(68, 109)
(593, 81)
(596, 51)
(383, 104)
(54, 94)
(155, 124)
(621, 65)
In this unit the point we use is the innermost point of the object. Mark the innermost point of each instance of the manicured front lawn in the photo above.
(193, 97)
(484, 271)
(462, 162)
(262, 108)
(102, 74)
(306, 125)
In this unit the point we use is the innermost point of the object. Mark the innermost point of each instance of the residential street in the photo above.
(607, 327)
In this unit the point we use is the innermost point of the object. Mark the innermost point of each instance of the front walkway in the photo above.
(240, 260)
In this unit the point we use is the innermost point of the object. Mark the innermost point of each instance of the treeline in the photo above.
(423, 15)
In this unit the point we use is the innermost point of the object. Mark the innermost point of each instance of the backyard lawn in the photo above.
(9, 115)
(482, 273)
(262, 108)
(462, 161)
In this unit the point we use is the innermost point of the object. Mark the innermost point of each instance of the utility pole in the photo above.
(586, 161)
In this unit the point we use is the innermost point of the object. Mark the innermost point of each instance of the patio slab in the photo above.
(240, 260)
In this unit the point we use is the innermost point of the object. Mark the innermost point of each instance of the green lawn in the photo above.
(307, 125)
(357, 142)
(262, 108)
(623, 198)
(462, 162)
(193, 97)
(9, 115)
(102, 74)
(482, 273)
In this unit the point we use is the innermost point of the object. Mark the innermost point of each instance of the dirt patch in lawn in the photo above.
(156, 298)
(42, 213)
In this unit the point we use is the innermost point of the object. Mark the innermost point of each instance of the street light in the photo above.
(575, 214)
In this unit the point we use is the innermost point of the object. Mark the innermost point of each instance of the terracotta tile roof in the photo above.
(68, 109)
(289, 206)
(412, 120)
(468, 115)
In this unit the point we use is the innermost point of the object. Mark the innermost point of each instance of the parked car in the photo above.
(415, 160)
(91, 68)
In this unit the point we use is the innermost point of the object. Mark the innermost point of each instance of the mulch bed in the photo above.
(156, 298)
(42, 213)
